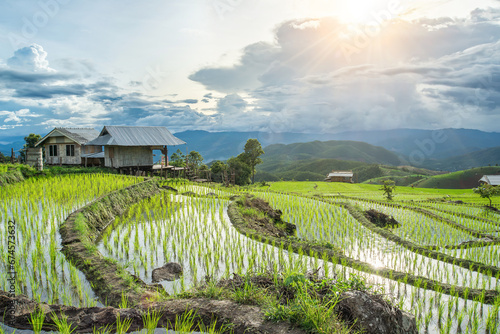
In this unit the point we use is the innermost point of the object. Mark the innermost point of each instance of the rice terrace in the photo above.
(93, 240)
(250, 167)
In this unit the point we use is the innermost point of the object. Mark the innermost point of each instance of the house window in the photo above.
(70, 150)
(52, 150)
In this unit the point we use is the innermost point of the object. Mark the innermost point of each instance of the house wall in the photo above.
(126, 156)
(91, 149)
(61, 157)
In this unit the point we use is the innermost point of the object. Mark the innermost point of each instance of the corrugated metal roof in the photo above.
(136, 136)
(494, 180)
(340, 174)
(93, 155)
(79, 135)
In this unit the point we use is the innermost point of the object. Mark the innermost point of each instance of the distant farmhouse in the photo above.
(340, 176)
(67, 146)
(131, 147)
(493, 180)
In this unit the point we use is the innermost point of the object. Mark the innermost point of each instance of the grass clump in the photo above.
(36, 320)
(311, 303)
(62, 324)
(189, 320)
(122, 326)
(150, 320)
(302, 300)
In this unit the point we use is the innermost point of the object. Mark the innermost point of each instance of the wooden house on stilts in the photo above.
(130, 148)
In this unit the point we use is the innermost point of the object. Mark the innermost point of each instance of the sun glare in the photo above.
(377, 263)
(366, 11)
(358, 11)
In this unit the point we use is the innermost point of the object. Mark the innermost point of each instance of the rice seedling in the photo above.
(150, 320)
(102, 330)
(122, 326)
(197, 233)
(42, 273)
(62, 324)
(185, 322)
(36, 319)
(124, 301)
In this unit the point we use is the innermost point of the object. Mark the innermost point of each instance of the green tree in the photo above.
(177, 159)
(3, 159)
(388, 188)
(241, 169)
(487, 191)
(218, 167)
(194, 160)
(30, 140)
(251, 155)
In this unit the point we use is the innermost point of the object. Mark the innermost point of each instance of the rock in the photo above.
(372, 314)
(169, 272)
(381, 219)
(277, 227)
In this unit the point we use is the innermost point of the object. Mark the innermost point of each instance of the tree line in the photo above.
(242, 166)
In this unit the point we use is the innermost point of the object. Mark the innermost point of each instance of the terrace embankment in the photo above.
(79, 232)
(425, 251)
(11, 176)
(243, 319)
(430, 214)
(113, 284)
(336, 256)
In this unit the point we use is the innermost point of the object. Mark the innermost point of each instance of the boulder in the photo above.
(381, 219)
(169, 272)
(372, 314)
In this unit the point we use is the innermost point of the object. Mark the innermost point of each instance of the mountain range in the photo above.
(447, 149)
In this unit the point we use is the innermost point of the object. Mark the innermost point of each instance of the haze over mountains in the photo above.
(448, 149)
(433, 149)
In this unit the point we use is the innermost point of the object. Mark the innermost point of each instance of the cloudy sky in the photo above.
(315, 66)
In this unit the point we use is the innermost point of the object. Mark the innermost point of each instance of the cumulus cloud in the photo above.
(75, 95)
(16, 116)
(323, 75)
(255, 60)
(30, 58)
(231, 104)
(319, 75)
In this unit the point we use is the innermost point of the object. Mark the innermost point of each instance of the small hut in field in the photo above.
(131, 147)
(67, 146)
(493, 180)
(340, 176)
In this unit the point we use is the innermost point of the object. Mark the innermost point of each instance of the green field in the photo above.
(374, 192)
(456, 290)
(459, 180)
